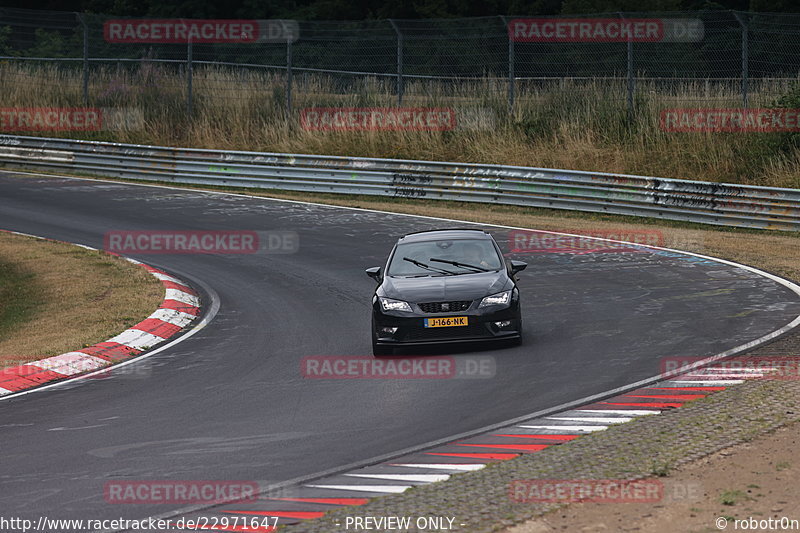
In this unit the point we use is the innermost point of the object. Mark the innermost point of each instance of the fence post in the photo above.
(289, 80)
(400, 88)
(631, 75)
(85, 59)
(745, 58)
(189, 102)
(511, 60)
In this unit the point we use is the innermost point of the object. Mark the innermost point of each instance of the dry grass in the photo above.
(81, 297)
(576, 125)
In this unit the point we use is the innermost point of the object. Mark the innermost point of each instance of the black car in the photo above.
(445, 286)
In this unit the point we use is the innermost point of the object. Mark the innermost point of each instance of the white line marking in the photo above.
(722, 376)
(70, 363)
(389, 489)
(600, 420)
(421, 478)
(667, 386)
(632, 412)
(183, 297)
(710, 382)
(587, 429)
(136, 338)
(79, 428)
(167, 277)
(4, 391)
(173, 316)
(713, 370)
(459, 467)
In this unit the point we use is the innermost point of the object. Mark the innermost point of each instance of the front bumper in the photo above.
(409, 329)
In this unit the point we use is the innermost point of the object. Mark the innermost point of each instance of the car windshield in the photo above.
(444, 257)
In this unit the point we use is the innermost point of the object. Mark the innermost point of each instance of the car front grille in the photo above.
(446, 307)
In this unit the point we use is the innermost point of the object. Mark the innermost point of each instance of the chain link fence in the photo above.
(740, 59)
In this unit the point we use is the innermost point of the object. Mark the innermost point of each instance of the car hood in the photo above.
(445, 288)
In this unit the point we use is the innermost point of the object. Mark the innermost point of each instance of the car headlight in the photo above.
(501, 298)
(387, 304)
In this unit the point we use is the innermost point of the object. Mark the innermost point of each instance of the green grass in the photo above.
(661, 469)
(732, 497)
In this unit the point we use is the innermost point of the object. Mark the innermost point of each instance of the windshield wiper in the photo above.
(427, 267)
(463, 265)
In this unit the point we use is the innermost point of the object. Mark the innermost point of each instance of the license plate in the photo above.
(445, 322)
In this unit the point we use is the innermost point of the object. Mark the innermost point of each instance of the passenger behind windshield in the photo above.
(443, 258)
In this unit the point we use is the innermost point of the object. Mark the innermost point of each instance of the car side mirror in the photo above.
(374, 273)
(518, 266)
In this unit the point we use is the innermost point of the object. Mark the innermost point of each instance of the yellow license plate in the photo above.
(445, 322)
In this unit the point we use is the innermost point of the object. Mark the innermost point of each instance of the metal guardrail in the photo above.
(596, 192)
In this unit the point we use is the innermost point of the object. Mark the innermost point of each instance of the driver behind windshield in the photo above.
(473, 255)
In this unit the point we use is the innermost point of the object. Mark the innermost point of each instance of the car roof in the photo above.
(446, 234)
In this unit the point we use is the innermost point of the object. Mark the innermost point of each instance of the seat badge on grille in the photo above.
(445, 306)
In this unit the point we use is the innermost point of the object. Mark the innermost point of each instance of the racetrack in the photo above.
(230, 403)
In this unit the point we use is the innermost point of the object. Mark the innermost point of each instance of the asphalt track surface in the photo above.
(231, 403)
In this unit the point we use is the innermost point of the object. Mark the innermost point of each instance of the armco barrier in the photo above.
(597, 192)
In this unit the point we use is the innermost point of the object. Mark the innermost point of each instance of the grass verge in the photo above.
(56, 297)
